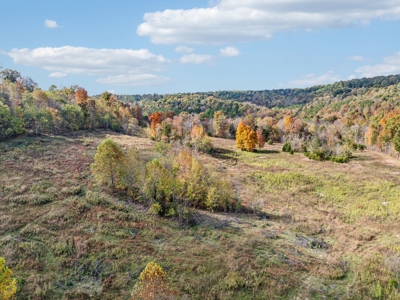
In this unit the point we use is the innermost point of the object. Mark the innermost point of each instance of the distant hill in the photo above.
(239, 103)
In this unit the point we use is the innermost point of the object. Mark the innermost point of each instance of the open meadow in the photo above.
(307, 230)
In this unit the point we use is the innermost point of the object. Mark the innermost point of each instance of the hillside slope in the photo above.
(315, 230)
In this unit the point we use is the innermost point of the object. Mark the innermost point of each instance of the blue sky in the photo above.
(154, 46)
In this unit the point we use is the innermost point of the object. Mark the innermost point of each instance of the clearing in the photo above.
(313, 230)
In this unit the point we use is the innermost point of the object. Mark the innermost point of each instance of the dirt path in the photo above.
(384, 158)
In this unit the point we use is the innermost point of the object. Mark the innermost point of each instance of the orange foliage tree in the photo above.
(260, 138)
(250, 142)
(155, 120)
(81, 96)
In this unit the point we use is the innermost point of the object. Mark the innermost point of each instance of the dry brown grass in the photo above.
(67, 238)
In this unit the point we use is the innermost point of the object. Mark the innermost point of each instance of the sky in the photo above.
(159, 46)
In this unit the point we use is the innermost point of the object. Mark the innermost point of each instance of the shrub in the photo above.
(270, 142)
(153, 284)
(8, 285)
(339, 159)
(220, 196)
(361, 147)
(286, 147)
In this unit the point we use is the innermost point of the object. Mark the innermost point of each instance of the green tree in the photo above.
(220, 124)
(8, 284)
(134, 172)
(10, 75)
(108, 163)
(72, 116)
(160, 185)
(396, 142)
(5, 121)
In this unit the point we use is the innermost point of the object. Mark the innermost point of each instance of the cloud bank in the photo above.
(130, 65)
(229, 21)
(89, 61)
(134, 80)
(312, 80)
(389, 66)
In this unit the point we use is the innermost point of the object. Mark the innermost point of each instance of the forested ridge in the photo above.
(279, 98)
(354, 114)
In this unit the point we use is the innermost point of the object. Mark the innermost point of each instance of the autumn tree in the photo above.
(8, 284)
(138, 114)
(250, 142)
(153, 285)
(108, 163)
(40, 97)
(199, 140)
(240, 136)
(81, 96)
(249, 120)
(220, 124)
(155, 119)
(287, 121)
(260, 138)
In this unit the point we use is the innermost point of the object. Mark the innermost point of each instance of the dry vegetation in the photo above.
(313, 230)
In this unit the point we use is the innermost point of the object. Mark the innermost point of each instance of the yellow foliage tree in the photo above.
(8, 285)
(240, 136)
(153, 285)
(40, 97)
(288, 124)
(251, 141)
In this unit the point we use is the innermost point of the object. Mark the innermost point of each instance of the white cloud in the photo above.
(184, 49)
(312, 80)
(134, 80)
(79, 60)
(356, 58)
(389, 66)
(196, 59)
(51, 24)
(230, 52)
(228, 21)
(58, 75)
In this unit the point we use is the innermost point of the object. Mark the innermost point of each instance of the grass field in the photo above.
(312, 230)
